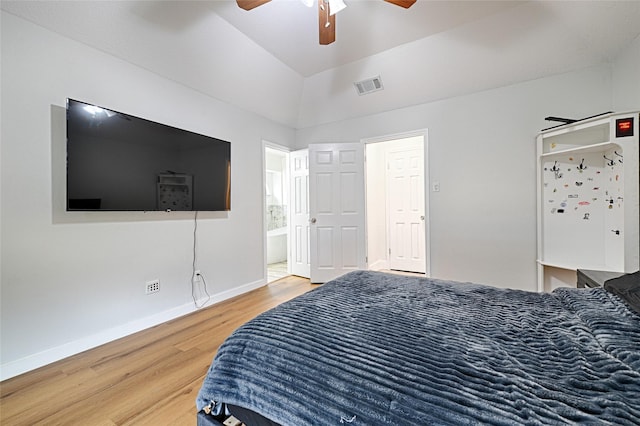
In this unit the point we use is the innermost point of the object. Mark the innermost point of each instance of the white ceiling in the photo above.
(268, 60)
(289, 30)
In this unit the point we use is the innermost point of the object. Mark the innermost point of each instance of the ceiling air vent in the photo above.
(369, 85)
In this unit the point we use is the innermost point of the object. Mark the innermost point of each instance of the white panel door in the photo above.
(299, 213)
(405, 189)
(337, 209)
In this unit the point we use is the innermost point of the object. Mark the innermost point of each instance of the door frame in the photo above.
(286, 150)
(427, 188)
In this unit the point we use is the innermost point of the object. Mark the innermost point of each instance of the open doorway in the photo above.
(397, 203)
(276, 212)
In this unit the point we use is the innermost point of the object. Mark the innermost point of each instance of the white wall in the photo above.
(626, 78)
(482, 151)
(74, 280)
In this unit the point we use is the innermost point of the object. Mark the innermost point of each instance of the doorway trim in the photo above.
(427, 225)
(285, 150)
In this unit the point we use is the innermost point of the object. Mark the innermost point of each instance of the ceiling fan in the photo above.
(326, 13)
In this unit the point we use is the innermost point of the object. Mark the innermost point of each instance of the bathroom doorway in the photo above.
(276, 180)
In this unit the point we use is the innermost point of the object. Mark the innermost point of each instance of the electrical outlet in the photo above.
(153, 286)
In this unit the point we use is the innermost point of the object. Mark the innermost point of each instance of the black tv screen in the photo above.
(118, 162)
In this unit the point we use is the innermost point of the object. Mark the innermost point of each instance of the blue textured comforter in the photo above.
(372, 349)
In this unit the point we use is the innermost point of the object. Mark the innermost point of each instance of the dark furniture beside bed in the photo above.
(589, 278)
(370, 348)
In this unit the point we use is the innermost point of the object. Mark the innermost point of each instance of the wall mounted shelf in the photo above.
(588, 198)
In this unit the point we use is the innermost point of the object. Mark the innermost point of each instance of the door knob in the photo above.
(312, 220)
(421, 217)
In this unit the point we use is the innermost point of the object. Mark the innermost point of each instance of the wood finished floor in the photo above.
(149, 378)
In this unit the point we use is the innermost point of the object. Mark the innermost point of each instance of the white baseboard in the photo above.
(40, 359)
(379, 265)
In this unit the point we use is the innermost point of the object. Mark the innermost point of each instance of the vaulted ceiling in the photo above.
(268, 60)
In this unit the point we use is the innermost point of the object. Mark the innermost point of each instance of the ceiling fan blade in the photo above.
(250, 4)
(326, 23)
(402, 3)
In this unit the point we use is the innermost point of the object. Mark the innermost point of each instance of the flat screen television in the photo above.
(118, 162)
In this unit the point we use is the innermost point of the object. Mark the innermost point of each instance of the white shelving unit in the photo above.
(588, 214)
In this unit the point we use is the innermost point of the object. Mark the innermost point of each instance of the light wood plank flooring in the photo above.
(149, 378)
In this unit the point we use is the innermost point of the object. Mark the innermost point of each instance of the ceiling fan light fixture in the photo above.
(327, 10)
(336, 6)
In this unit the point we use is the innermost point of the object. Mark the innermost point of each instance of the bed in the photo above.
(372, 348)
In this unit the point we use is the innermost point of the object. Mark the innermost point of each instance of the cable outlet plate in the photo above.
(152, 286)
(197, 275)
